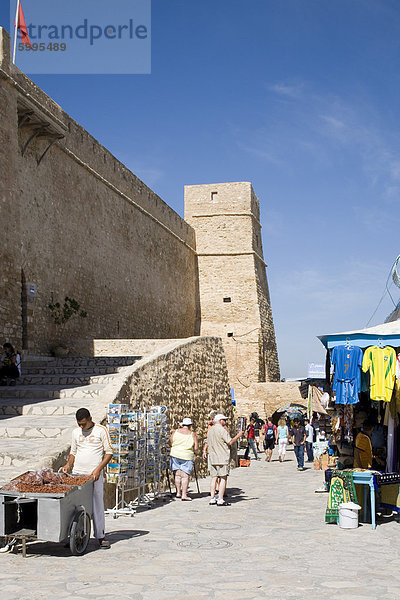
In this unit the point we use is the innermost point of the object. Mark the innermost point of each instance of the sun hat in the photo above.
(187, 421)
(219, 417)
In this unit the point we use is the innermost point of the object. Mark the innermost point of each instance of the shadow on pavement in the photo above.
(38, 548)
(197, 496)
(235, 495)
(125, 534)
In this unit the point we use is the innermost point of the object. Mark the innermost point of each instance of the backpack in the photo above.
(269, 431)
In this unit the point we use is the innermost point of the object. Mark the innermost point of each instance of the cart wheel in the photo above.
(78, 539)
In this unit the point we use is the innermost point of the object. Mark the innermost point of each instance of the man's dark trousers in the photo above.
(299, 452)
(310, 453)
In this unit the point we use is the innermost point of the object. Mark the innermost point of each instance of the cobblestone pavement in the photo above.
(271, 542)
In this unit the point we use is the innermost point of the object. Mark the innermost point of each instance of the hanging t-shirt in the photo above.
(381, 363)
(397, 383)
(347, 379)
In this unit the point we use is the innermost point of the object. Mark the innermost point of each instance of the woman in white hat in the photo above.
(184, 444)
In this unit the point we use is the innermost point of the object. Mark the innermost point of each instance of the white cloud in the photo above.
(285, 89)
(149, 176)
(310, 301)
(329, 130)
(335, 123)
(376, 218)
(273, 224)
(262, 152)
(319, 297)
(394, 167)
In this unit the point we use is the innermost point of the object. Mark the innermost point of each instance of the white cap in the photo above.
(219, 417)
(187, 421)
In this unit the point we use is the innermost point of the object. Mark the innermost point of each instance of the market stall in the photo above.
(365, 404)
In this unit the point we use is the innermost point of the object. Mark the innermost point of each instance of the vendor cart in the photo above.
(50, 517)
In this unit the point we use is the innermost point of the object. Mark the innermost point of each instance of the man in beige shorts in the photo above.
(219, 442)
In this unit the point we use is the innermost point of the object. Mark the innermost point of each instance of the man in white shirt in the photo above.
(309, 440)
(90, 452)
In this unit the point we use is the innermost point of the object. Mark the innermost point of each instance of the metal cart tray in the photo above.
(51, 517)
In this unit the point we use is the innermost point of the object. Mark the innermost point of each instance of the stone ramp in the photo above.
(12, 407)
(35, 426)
(38, 415)
(76, 371)
(78, 361)
(50, 391)
(59, 379)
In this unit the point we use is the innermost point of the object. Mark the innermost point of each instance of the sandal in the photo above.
(223, 503)
(186, 499)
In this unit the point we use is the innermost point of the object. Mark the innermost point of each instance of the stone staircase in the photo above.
(38, 414)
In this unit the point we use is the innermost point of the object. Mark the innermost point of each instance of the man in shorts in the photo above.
(269, 430)
(219, 442)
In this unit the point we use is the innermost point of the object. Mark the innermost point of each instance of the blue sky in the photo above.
(300, 97)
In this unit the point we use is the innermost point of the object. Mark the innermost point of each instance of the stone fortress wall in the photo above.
(81, 224)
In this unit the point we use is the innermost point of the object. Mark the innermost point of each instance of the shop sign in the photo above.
(316, 370)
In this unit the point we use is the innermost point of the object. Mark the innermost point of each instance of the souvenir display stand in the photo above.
(140, 455)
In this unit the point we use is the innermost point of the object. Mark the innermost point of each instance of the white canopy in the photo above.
(387, 334)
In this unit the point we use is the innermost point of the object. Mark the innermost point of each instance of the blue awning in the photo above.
(386, 334)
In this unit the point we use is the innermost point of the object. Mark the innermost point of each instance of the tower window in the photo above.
(227, 299)
(230, 334)
(213, 194)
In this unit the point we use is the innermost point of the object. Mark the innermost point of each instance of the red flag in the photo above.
(21, 25)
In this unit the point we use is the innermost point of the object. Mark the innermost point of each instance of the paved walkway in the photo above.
(270, 543)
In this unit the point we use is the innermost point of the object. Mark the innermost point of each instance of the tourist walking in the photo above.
(282, 438)
(257, 426)
(251, 440)
(184, 444)
(309, 440)
(219, 443)
(269, 430)
(298, 435)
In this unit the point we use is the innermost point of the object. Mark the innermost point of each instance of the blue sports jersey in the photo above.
(347, 379)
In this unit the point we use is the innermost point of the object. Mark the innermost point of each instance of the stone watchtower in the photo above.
(233, 287)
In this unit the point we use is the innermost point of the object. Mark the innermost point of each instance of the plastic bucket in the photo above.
(348, 515)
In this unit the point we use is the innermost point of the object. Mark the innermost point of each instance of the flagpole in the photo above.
(16, 30)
